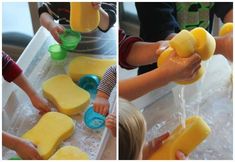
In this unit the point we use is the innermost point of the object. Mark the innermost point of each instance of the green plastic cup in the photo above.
(57, 53)
(70, 39)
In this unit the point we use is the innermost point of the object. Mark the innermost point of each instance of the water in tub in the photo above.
(210, 99)
(24, 117)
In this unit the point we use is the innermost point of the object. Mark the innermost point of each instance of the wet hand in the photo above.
(110, 123)
(96, 5)
(181, 69)
(26, 150)
(56, 29)
(40, 104)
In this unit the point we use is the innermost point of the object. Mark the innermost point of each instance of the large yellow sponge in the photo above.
(49, 132)
(69, 153)
(83, 16)
(66, 95)
(83, 65)
(183, 139)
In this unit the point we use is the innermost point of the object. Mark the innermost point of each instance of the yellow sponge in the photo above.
(69, 153)
(183, 43)
(82, 65)
(66, 95)
(198, 76)
(83, 16)
(49, 132)
(225, 29)
(205, 45)
(183, 139)
(164, 55)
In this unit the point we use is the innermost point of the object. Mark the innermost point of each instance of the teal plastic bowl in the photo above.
(89, 83)
(57, 53)
(70, 39)
(93, 119)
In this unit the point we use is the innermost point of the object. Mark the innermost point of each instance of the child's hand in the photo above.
(26, 150)
(110, 123)
(180, 155)
(181, 69)
(40, 104)
(96, 5)
(101, 103)
(228, 46)
(56, 29)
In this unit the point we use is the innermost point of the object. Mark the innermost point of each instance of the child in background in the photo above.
(101, 103)
(13, 73)
(51, 11)
(132, 130)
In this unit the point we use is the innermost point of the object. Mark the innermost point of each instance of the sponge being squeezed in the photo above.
(183, 139)
(82, 65)
(66, 95)
(49, 132)
(186, 43)
(69, 153)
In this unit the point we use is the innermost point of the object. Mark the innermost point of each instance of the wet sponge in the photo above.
(82, 65)
(83, 16)
(66, 95)
(183, 139)
(186, 43)
(49, 132)
(69, 153)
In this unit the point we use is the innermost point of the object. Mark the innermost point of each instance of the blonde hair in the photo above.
(132, 129)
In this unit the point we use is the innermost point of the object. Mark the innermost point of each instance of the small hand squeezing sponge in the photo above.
(183, 139)
(186, 43)
(49, 132)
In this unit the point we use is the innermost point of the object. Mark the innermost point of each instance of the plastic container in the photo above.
(70, 39)
(15, 158)
(93, 119)
(90, 83)
(57, 53)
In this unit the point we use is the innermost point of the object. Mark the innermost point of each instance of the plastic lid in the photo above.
(70, 39)
(90, 83)
(15, 158)
(57, 53)
(93, 119)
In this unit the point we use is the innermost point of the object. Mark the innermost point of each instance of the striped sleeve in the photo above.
(109, 81)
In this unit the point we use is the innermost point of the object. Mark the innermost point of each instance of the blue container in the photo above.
(93, 119)
(90, 83)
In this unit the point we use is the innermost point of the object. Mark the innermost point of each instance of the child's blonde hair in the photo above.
(132, 129)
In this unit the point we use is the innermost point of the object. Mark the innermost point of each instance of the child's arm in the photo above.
(107, 14)
(38, 102)
(174, 69)
(54, 28)
(25, 149)
(13, 73)
(133, 52)
(101, 103)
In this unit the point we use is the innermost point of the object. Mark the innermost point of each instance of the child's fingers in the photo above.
(180, 155)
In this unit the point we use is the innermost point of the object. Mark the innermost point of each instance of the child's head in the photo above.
(132, 129)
